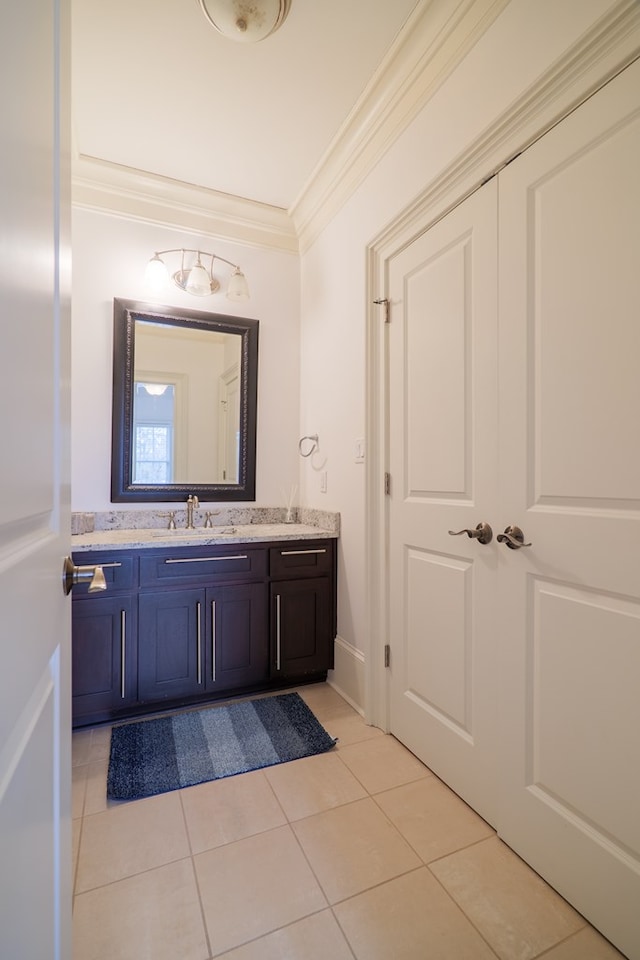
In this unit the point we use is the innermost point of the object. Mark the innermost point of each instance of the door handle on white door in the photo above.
(513, 537)
(71, 574)
(482, 533)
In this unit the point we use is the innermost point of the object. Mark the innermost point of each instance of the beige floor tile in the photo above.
(315, 938)
(351, 728)
(78, 789)
(96, 795)
(325, 702)
(100, 743)
(81, 746)
(409, 918)
(222, 811)
(432, 818)
(352, 848)
(587, 944)
(516, 912)
(313, 784)
(382, 763)
(254, 886)
(129, 839)
(153, 916)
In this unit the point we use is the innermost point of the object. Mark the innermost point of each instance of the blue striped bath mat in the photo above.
(155, 756)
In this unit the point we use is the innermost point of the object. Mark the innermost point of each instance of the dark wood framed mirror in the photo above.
(185, 387)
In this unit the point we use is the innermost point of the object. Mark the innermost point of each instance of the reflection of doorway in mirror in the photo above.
(229, 420)
(158, 453)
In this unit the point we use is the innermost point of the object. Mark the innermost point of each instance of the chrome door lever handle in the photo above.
(482, 533)
(513, 537)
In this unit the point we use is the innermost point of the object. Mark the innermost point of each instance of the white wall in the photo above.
(524, 41)
(109, 259)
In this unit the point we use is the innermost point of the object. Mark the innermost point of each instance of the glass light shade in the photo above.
(156, 275)
(238, 288)
(198, 282)
(245, 22)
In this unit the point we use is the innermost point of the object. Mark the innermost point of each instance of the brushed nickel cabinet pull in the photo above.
(123, 652)
(300, 553)
(213, 641)
(277, 631)
(199, 636)
(241, 556)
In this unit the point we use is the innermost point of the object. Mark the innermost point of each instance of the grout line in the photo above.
(195, 874)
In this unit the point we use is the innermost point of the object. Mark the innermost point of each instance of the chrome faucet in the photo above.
(192, 504)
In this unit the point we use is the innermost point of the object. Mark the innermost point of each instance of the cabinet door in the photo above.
(237, 647)
(170, 637)
(301, 627)
(103, 656)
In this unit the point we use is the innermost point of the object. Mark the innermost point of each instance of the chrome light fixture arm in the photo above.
(196, 279)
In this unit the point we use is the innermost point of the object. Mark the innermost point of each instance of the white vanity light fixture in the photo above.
(246, 21)
(196, 279)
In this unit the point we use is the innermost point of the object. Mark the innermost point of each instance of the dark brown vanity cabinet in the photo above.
(201, 641)
(104, 643)
(303, 615)
(198, 623)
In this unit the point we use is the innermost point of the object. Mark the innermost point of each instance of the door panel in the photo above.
(35, 633)
(443, 464)
(520, 666)
(570, 477)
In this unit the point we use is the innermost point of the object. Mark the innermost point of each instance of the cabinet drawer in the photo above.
(234, 563)
(119, 572)
(303, 559)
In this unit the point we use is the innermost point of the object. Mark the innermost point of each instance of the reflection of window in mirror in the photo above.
(153, 432)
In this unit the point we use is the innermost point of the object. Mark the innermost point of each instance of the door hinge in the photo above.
(383, 300)
(387, 484)
(387, 655)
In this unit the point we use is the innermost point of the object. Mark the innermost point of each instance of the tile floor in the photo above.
(357, 854)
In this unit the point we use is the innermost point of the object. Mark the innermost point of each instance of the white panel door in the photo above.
(443, 465)
(569, 627)
(35, 715)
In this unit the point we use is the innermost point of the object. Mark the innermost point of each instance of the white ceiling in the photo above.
(157, 89)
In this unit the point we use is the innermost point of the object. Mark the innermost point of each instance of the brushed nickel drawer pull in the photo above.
(300, 553)
(105, 565)
(123, 651)
(241, 556)
(198, 632)
(213, 641)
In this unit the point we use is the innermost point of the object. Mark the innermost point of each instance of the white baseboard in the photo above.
(347, 678)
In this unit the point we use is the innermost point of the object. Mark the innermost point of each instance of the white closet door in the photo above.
(569, 622)
(443, 465)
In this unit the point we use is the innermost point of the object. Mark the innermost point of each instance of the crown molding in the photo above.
(432, 42)
(137, 195)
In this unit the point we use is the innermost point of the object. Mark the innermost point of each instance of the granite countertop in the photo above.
(158, 537)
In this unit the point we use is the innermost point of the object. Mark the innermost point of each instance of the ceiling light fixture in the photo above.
(195, 279)
(247, 21)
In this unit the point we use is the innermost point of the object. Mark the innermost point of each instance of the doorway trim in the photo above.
(600, 54)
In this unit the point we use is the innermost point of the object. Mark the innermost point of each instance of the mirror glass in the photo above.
(184, 404)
